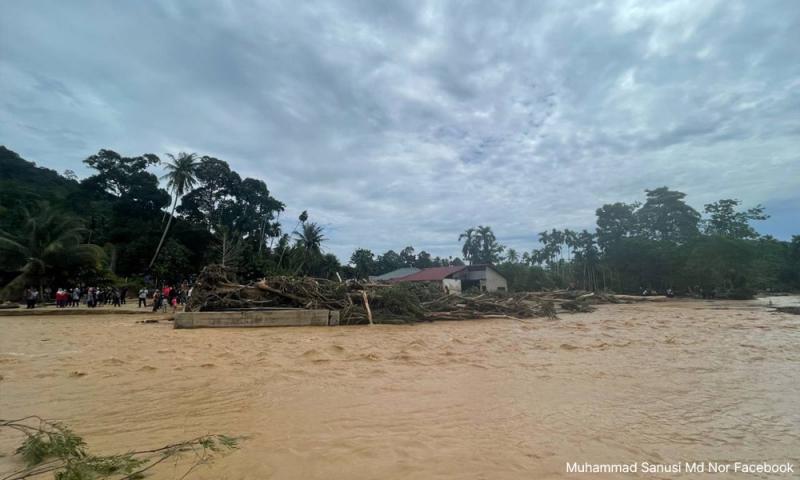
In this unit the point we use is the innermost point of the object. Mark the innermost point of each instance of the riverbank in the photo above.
(652, 381)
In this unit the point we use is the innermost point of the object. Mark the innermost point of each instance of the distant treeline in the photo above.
(659, 244)
(119, 224)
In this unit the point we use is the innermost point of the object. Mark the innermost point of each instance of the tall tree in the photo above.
(408, 257)
(363, 262)
(490, 250)
(424, 260)
(666, 216)
(480, 245)
(471, 247)
(615, 221)
(301, 220)
(725, 221)
(389, 261)
(181, 177)
(125, 177)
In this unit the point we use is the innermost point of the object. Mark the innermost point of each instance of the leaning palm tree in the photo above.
(181, 176)
(47, 241)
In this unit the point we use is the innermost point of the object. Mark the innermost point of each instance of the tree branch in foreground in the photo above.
(51, 447)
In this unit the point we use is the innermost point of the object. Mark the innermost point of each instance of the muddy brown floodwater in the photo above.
(658, 382)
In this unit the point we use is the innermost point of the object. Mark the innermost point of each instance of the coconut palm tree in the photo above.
(181, 177)
(47, 242)
(300, 220)
(310, 238)
(512, 256)
(308, 242)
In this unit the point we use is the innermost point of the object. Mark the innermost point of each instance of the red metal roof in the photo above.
(430, 274)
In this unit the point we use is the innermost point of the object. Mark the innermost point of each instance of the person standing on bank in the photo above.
(156, 300)
(143, 297)
(29, 297)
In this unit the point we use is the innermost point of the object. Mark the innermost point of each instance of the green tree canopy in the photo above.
(666, 216)
(127, 178)
(363, 262)
(49, 246)
(725, 221)
(480, 245)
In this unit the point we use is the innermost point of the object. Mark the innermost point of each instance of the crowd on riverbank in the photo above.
(92, 297)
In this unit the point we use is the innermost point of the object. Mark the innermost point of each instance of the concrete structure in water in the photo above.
(289, 317)
(455, 279)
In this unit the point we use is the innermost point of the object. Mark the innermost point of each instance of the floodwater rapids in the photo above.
(660, 382)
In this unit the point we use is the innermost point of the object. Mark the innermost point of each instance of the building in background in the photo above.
(400, 272)
(455, 279)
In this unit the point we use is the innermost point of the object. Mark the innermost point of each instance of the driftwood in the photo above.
(365, 298)
(487, 306)
(792, 310)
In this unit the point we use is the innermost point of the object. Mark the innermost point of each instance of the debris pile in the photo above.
(576, 301)
(488, 305)
(217, 290)
(792, 310)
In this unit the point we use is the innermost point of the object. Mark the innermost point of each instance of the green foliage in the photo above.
(666, 216)
(401, 301)
(659, 245)
(180, 178)
(113, 225)
(49, 246)
(480, 245)
(175, 257)
(525, 278)
(126, 178)
(725, 221)
(51, 447)
(223, 199)
(363, 262)
(389, 261)
(121, 209)
(614, 222)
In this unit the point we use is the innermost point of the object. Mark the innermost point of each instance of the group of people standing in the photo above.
(91, 296)
(166, 297)
(94, 296)
(68, 298)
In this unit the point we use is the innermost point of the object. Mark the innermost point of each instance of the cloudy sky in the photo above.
(404, 123)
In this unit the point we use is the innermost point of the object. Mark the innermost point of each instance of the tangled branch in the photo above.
(51, 447)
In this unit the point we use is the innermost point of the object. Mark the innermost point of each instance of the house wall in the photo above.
(488, 279)
(494, 281)
(451, 285)
(476, 274)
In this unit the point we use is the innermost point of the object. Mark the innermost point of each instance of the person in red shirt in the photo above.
(61, 300)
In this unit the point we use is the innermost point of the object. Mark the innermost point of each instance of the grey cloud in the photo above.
(400, 123)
